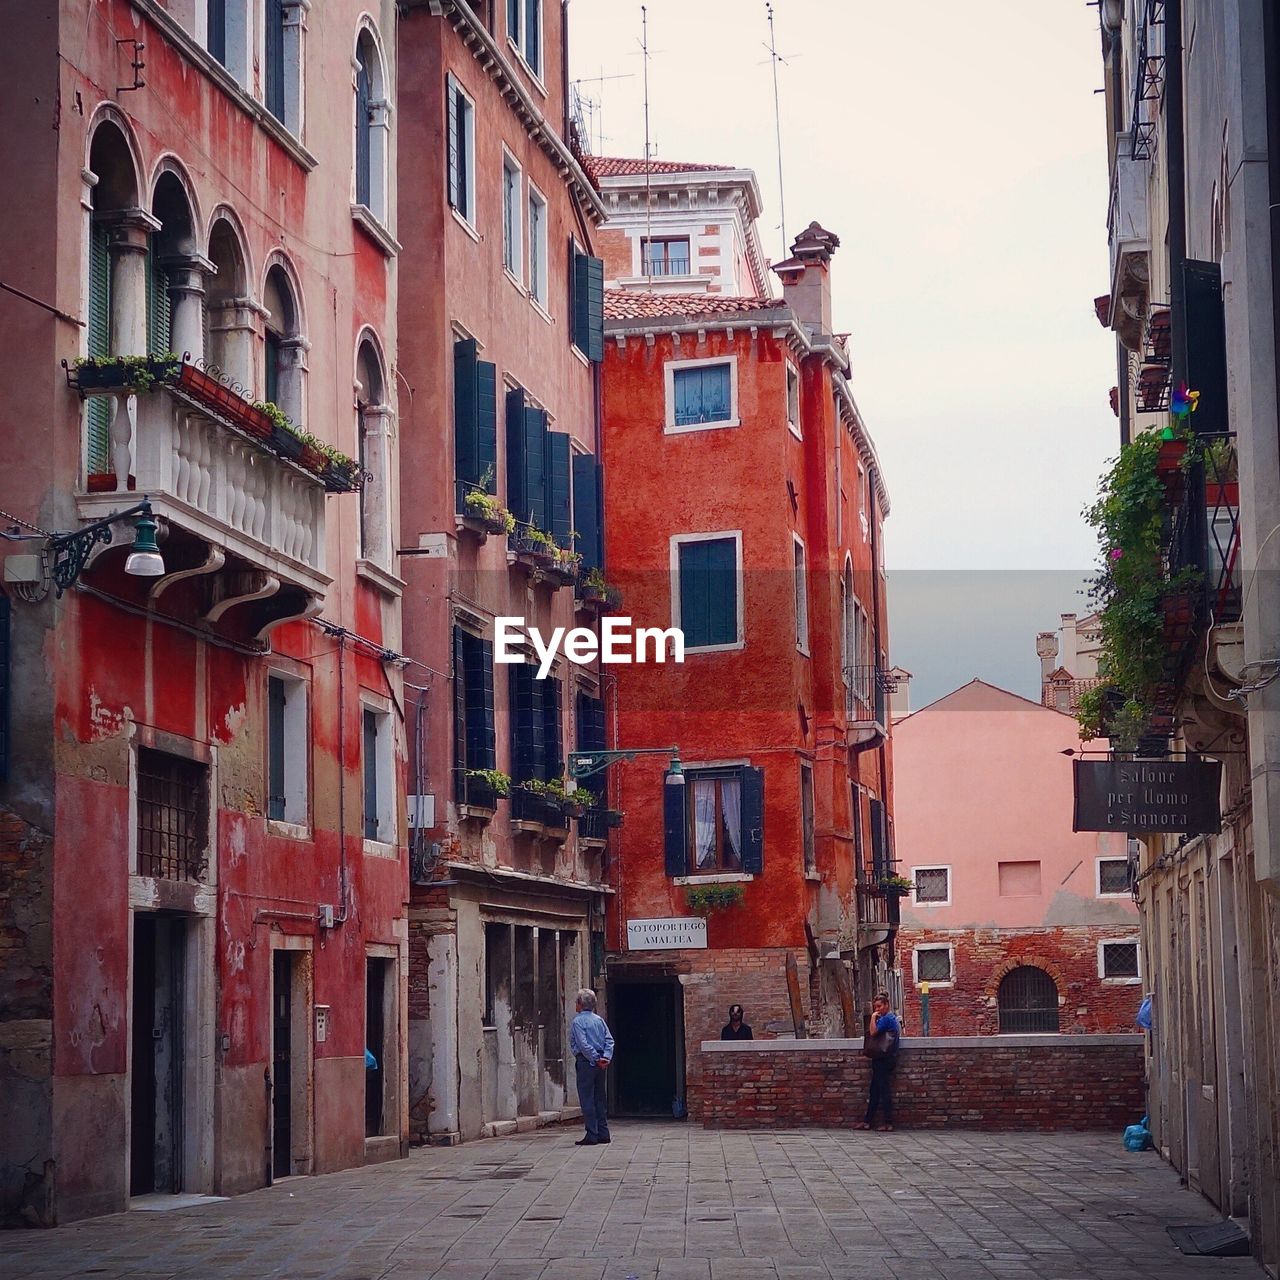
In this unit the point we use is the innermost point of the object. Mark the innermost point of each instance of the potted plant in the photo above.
(896, 885)
(487, 512)
(137, 374)
(564, 567)
(483, 788)
(703, 899)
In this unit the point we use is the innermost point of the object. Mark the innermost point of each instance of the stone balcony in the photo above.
(242, 527)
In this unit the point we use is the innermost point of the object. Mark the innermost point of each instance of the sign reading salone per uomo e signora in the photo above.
(666, 935)
(1177, 797)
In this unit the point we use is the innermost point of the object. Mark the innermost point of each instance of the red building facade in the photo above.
(499, 354)
(744, 505)
(203, 868)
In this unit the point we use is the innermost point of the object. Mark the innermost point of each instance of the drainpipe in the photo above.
(1174, 145)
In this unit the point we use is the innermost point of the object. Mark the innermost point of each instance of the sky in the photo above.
(959, 153)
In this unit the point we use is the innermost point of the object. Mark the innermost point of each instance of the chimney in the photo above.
(1047, 652)
(806, 277)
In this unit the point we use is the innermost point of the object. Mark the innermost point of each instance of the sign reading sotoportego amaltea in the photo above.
(1177, 797)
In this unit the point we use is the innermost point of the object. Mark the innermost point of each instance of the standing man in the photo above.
(592, 1046)
(735, 1028)
(884, 1032)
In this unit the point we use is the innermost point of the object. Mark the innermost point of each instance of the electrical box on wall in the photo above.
(322, 1023)
(324, 913)
(422, 812)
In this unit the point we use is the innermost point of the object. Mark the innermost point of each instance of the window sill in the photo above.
(591, 843)
(516, 282)
(814, 877)
(178, 35)
(364, 218)
(1120, 982)
(716, 877)
(935, 985)
(671, 429)
(540, 309)
(803, 651)
(378, 577)
(715, 648)
(926, 905)
(288, 830)
(579, 355)
(795, 431)
(465, 225)
(475, 813)
(380, 849)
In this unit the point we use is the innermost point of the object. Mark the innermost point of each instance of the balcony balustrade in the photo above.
(867, 689)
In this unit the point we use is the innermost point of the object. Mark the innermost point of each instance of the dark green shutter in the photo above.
(552, 739)
(753, 821)
(527, 723)
(489, 742)
(487, 424)
(590, 737)
(157, 305)
(459, 717)
(879, 840)
(370, 775)
(556, 477)
(517, 501)
(535, 449)
(274, 42)
(477, 659)
(275, 748)
(98, 410)
(674, 833)
(217, 38)
(588, 305)
(709, 592)
(466, 421)
(451, 94)
(1206, 346)
(586, 509)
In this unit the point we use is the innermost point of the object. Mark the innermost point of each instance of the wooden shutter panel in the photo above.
(579, 299)
(489, 752)
(370, 737)
(157, 306)
(879, 840)
(695, 619)
(466, 420)
(477, 658)
(451, 94)
(526, 719)
(364, 163)
(594, 270)
(722, 591)
(753, 820)
(517, 501)
(487, 424)
(459, 717)
(586, 509)
(535, 447)
(275, 57)
(1206, 345)
(552, 739)
(98, 408)
(556, 480)
(674, 833)
(275, 748)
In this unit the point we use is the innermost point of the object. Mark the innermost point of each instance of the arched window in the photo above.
(175, 278)
(371, 126)
(373, 434)
(1028, 1001)
(229, 326)
(284, 348)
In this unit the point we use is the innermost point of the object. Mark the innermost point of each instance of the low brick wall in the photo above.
(961, 1082)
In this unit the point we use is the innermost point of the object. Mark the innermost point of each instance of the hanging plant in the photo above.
(703, 899)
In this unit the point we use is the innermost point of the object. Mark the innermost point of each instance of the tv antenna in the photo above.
(591, 110)
(774, 58)
(646, 250)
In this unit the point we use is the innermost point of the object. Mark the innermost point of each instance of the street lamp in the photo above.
(582, 764)
(71, 551)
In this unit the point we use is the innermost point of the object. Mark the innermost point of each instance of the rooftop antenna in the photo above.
(593, 108)
(646, 249)
(774, 58)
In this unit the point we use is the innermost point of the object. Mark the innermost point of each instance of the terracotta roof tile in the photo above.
(622, 304)
(624, 167)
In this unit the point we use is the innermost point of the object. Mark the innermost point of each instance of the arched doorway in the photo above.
(1028, 1001)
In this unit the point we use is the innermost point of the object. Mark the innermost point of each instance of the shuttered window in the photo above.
(217, 37)
(158, 313)
(274, 50)
(715, 822)
(475, 421)
(588, 304)
(591, 737)
(881, 855)
(702, 394)
(370, 736)
(524, 29)
(98, 408)
(275, 748)
(526, 460)
(537, 745)
(587, 510)
(473, 688)
(364, 126)
(708, 592)
(556, 472)
(461, 150)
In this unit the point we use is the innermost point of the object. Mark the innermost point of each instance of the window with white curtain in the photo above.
(715, 820)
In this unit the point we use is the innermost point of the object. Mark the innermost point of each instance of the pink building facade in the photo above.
(1016, 923)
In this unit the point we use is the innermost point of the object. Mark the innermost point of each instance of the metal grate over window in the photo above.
(1028, 1001)
(1120, 960)
(1113, 875)
(172, 817)
(933, 964)
(932, 884)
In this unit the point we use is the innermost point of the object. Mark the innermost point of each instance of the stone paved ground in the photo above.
(673, 1202)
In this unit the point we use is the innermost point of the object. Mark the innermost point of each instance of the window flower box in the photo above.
(106, 374)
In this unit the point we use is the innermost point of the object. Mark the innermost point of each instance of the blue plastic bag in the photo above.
(1144, 1015)
(1137, 1137)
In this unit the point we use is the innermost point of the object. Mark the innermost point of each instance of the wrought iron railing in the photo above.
(670, 267)
(867, 690)
(172, 817)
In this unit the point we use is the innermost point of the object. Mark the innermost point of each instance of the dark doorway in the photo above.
(1028, 1001)
(155, 1083)
(282, 1064)
(646, 1019)
(375, 1042)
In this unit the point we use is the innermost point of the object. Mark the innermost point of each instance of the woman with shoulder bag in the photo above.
(880, 1044)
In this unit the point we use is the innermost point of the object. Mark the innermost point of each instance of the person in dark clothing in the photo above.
(735, 1028)
(884, 1033)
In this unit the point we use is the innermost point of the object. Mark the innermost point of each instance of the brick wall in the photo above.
(1039, 1083)
(982, 957)
(615, 248)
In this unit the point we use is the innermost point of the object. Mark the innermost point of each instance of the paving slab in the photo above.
(669, 1201)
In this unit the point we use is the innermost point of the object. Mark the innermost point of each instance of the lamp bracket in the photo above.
(71, 551)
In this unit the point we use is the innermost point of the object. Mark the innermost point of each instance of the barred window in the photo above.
(172, 816)
(1119, 960)
(933, 884)
(933, 964)
(1113, 876)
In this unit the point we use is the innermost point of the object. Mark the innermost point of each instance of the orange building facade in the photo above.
(744, 505)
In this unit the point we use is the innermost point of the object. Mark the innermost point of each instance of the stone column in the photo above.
(130, 230)
(376, 424)
(293, 378)
(235, 327)
(187, 275)
(295, 54)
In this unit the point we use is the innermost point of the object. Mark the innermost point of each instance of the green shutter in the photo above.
(466, 429)
(516, 500)
(4, 687)
(527, 725)
(459, 718)
(158, 318)
(556, 484)
(98, 408)
(477, 659)
(535, 448)
(674, 835)
(552, 739)
(752, 818)
(879, 840)
(588, 305)
(487, 425)
(586, 509)
(370, 737)
(709, 592)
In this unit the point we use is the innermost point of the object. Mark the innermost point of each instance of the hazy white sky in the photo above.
(958, 151)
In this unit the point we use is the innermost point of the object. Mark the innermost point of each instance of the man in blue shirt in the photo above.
(884, 1032)
(592, 1047)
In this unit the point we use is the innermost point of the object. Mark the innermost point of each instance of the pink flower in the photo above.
(1116, 553)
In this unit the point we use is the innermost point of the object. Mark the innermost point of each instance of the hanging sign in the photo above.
(666, 935)
(1175, 797)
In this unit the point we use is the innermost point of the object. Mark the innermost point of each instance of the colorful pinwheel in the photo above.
(1184, 401)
